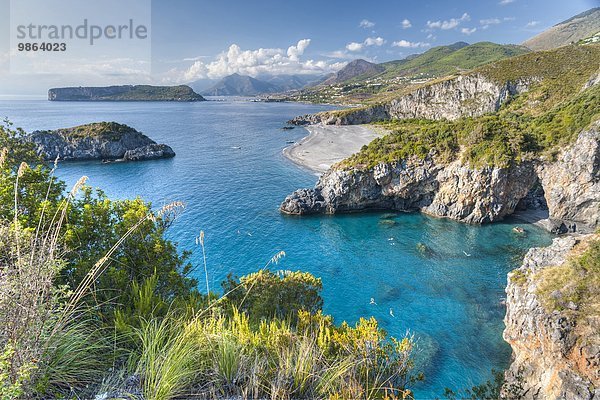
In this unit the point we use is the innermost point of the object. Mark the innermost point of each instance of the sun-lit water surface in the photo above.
(449, 297)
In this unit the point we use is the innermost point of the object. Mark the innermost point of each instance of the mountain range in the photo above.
(243, 85)
(366, 79)
(569, 31)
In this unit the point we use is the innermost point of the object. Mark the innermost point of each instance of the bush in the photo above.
(266, 294)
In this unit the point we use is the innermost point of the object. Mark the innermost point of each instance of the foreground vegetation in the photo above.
(94, 301)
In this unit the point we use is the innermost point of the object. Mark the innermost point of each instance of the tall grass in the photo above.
(52, 344)
(49, 341)
(167, 359)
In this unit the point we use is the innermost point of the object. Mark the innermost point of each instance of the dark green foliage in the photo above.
(486, 391)
(266, 294)
(158, 93)
(17, 151)
(495, 139)
(93, 224)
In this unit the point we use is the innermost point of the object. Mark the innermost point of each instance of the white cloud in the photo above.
(505, 2)
(370, 41)
(531, 24)
(406, 43)
(256, 62)
(449, 24)
(293, 52)
(489, 21)
(378, 41)
(509, 18)
(345, 55)
(195, 58)
(468, 31)
(365, 23)
(406, 24)
(353, 46)
(431, 36)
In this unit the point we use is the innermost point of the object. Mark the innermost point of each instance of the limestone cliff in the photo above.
(98, 141)
(556, 354)
(455, 191)
(571, 186)
(465, 95)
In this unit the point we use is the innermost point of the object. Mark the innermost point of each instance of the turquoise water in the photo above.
(450, 301)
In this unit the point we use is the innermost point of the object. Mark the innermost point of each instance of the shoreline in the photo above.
(326, 145)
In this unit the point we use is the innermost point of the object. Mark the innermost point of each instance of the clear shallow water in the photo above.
(450, 301)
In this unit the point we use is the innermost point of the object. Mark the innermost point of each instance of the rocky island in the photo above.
(125, 93)
(107, 141)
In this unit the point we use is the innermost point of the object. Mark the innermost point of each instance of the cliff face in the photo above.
(572, 184)
(453, 191)
(465, 95)
(554, 356)
(571, 187)
(115, 142)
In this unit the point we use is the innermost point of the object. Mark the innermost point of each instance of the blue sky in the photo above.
(209, 39)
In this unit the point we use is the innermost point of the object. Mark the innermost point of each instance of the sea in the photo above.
(435, 279)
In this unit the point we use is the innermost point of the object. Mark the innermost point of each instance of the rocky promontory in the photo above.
(125, 93)
(456, 190)
(555, 336)
(98, 141)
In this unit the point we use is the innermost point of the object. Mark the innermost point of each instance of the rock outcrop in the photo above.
(358, 116)
(465, 95)
(98, 141)
(454, 190)
(554, 356)
(570, 185)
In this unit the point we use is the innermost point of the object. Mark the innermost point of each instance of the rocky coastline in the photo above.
(556, 354)
(106, 141)
(569, 186)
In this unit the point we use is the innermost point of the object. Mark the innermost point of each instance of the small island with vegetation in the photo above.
(106, 141)
(125, 93)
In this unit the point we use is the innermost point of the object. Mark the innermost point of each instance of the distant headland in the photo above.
(125, 93)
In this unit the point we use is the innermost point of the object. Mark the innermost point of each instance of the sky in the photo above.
(191, 40)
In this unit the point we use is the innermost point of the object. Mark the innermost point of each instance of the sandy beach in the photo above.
(328, 144)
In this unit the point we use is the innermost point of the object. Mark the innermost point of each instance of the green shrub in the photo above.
(498, 139)
(266, 294)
